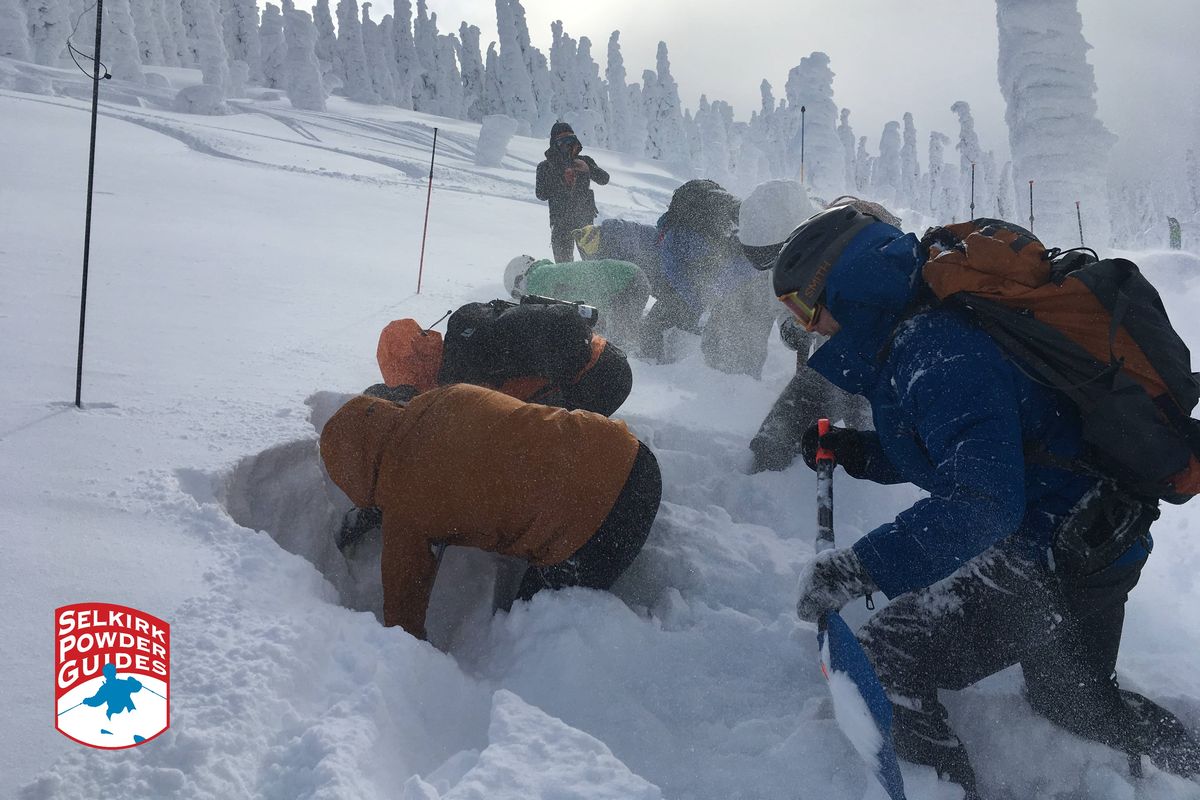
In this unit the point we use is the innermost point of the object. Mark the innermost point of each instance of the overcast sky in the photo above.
(889, 56)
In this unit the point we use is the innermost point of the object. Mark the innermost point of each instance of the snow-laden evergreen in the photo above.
(305, 88)
(408, 68)
(242, 41)
(206, 40)
(665, 136)
(163, 13)
(512, 75)
(863, 163)
(810, 84)
(943, 192)
(714, 143)
(50, 25)
(470, 59)
(121, 51)
(592, 102)
(451, 102)
(886, 177)
(910, 166)
(273, 48)
(970, 159)
(359, 85)
(1054, 133)
(425, 83)
(622, 136)
(374, 48)
(145, 26)
(14, 31)
(333, 74)
(846, 136)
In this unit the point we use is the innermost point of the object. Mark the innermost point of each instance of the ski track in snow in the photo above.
(692, 680)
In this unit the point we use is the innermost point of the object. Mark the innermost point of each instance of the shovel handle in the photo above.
(825, 463)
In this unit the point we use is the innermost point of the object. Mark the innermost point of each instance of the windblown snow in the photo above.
(241, 269)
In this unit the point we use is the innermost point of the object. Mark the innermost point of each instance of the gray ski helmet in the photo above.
(807, 257)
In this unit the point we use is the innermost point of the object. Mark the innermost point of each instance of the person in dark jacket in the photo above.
(564, 179)
(974, 571)
(542, 353)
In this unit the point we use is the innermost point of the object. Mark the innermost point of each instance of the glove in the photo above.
(588, 240)
(832, 579)
(847, 444)
(794, 336)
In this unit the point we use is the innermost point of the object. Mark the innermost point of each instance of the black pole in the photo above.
(972, 190)
(1031, 206)
(428, 197)
(87, 220)
(802, 110)
(1079, 217)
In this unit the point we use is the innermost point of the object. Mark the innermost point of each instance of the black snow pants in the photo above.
(562, 241)
(619, 539)
(1003, 609)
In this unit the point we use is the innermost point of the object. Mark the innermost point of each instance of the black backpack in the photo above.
(703, 206)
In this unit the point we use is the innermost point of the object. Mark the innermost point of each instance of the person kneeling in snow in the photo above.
(975, 571)
(542, 353)
(618, 289)
(571, 492)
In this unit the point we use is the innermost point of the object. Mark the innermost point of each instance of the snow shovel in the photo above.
(860, 705)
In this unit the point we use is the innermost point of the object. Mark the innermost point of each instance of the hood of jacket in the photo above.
(353, 443)
(871, 285)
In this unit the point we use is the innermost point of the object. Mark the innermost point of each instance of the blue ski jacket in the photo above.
(952, 415)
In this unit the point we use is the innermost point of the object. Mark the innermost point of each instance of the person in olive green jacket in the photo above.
(618, 289)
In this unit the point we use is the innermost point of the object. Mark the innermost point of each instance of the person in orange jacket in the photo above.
(571, 492)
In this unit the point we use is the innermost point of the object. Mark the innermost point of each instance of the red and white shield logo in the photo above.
(112, 675)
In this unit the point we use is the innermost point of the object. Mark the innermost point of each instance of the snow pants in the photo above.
(619, 539)
(1003, 609)
(669, 311)
(739, 325)
(562, 242)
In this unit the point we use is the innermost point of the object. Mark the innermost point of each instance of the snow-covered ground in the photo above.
(242, 268)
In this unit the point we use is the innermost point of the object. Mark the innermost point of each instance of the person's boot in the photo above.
(1157, 733)
(357, 523)
(925, 739)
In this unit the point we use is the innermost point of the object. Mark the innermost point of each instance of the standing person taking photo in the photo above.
(564, 179)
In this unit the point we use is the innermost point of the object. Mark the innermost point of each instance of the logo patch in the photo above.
(112, 675)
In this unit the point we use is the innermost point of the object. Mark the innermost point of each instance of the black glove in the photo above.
(794, 336)
(848, 445)
(832, 579)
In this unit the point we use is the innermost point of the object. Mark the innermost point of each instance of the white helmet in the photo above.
(514, 275)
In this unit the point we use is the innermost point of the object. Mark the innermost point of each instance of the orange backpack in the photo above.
(1093, 329)
(409, 355)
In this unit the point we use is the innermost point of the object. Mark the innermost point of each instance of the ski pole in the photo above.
(802, 110)
(972, 190)
(825, 464)
(1079, 217)
(428, 198)
(1031, 206)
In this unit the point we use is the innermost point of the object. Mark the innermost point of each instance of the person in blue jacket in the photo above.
(975, 578)
(701, 280)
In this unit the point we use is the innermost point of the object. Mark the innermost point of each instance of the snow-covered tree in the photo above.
(638, 124)
(205, 38)
(1004, 194)
(14, 31)
(665, 139)
(564, 78)
(451, 102)
(49, 27)
(240, 23)
(885, 177)
(970, 157)
(378, 69)
(714, 142)
(359, 86)
(862, 166)
(620, 121)
(164, 32)
(333, 74)
(470, 60)
(145, 27)
(491, 102)
(1054, 133)
(120, 46)
(846, 137)
(943, 186)
(810, 85)
(512, 76)
(273, 48)
(537, 67)
(305, 88)
(425, 84)
(910, 166)
(408, 68)
(593, 101)
(176, 36)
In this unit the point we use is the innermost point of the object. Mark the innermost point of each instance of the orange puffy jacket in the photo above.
(465, 465)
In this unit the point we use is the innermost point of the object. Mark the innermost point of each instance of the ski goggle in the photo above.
(805, 314)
